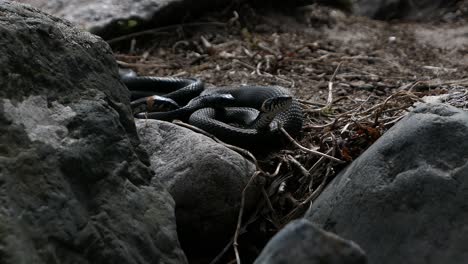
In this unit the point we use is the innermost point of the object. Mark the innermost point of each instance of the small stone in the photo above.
(303, 242)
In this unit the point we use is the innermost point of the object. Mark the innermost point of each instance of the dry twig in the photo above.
(239, 219)
(161, 30)
(309, 150)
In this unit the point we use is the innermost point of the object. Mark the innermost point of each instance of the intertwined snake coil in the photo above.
(243, 115)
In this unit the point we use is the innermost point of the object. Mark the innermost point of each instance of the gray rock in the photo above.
(405, 199)
(111, 17)
(388, 9)
(205, 179)
(302, 242)
(74, 187)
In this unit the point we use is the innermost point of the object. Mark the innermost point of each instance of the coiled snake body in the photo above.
(244, 115)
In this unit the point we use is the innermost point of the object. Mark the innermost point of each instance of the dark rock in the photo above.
(405, 199)
(114, 17)
(302, 242)
(74, 187)
(389, 9)
(205, 179)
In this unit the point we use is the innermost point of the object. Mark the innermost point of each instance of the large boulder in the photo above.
(389, 9)
(302, 242)
(206, 180)
(74, 183)
(405, 199)
(113, 17)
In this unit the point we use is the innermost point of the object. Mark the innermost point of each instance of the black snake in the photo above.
(243, 115)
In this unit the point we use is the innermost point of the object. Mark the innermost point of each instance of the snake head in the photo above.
(276, 104)
(153, 103)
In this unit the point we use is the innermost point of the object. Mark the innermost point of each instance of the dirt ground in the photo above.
(356, 77)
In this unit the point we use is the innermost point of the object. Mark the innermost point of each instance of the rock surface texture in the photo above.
(405, 199)
(302, 242)
(205, 179)
(104, 17)
(74, 184)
